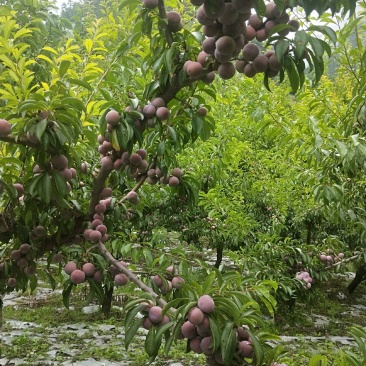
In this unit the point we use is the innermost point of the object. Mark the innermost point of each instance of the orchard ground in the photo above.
(38, 330)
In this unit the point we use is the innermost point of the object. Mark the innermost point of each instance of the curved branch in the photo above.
(132, 276)
(11, 139)
(162, 15)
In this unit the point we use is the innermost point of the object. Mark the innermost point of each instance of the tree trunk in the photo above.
(1, 312)
(308, 233)
(360, 276)
(219, 251)
(107, 301)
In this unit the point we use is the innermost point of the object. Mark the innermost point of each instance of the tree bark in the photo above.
(219, 251)
(107, 301)
(360, 276)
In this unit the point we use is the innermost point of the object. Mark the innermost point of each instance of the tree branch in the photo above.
(132, 276)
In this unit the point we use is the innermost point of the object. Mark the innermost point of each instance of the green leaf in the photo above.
(44, 188)
(74, 102)
(64, 66)
(82, 83)
(281, 48)
(152, 343)
(258, 349)
(131, 331)
(324, 29)
(228, 343)
(301, 40)
(66, 295)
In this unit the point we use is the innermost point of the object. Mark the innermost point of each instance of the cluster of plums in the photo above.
(171, 280)
(20, 257)
(229, 26)
(98, 231)
(305, 278)
(330, 257)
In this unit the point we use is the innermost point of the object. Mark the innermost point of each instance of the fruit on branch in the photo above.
(5, 128)
(245, 349)
(250, 52)
(155, 314)
(163, 113)
(89, 269)
(59, 162)
(206, 345)
(24, 248)
(106, 163)
(100, 208)
(173, 181)
(177, 172)
(177, 282)
(113, 118)
(150, 4)
(70, 267)
(206, 304)
(194, 70)
(260, 63)
(132, 197)
(149, 111)
(202, 112)
(39, 231)
(15, 254)
(226, 70)
(19, 188)
(195, 345)
(189, 330)
(174, 21)
(11, 282)
(120, 279)
(58, 258)
(77, 276)
(196, 316)
(135, 159)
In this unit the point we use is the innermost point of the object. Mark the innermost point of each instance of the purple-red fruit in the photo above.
(177, 282)
(196, 316)
(173, 181)
(77, 276)
(24, 248)
(206, 345)
(155, 314)
(206, 304)
(59, 162)
(70, 267)
(163, 113)
(100, 208)
(11, 282)
(150, 4)
(120, 279)
(112, 117)
(189, 330)
(106, 163)
(95, 236)
(5, 128)
(88, 269)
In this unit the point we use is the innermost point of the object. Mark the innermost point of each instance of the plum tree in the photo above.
(141, 110)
